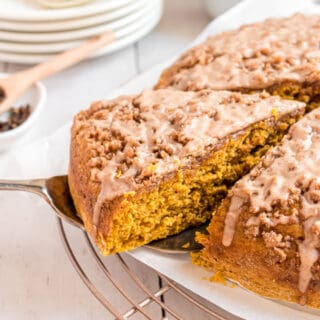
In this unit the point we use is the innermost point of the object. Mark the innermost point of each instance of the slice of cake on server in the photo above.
(148, 166)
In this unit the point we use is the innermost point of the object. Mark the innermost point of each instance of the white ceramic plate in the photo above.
(54, 47)
(144, 27)
(48, 37)
(59, 4)
(29, 10)
(71, 24)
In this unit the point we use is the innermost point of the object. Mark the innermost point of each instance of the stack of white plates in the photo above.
(30, 33)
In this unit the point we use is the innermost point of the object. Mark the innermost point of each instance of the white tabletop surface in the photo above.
(37, 280)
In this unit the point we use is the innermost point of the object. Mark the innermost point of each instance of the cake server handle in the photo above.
(55, 191)
(33, 186)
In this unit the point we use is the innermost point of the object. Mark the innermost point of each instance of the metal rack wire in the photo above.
(150, 297)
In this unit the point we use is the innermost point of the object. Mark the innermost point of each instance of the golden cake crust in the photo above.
(252, 265)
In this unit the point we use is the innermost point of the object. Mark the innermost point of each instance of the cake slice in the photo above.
(281, 56)
(266, 234)
(148, 166)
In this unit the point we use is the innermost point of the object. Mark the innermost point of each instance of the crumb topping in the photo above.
(134, 138)
(284, 189)
(273, 239)
(254, 56)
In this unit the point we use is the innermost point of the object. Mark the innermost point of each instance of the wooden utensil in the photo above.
(12, 87)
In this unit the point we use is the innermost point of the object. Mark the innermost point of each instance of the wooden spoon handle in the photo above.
(66, 59)
(15, 85)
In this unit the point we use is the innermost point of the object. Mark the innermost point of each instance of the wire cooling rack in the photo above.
(137, 305)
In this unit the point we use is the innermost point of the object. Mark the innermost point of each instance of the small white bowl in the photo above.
(36, 97)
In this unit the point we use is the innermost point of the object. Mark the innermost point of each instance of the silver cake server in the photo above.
(55, 191)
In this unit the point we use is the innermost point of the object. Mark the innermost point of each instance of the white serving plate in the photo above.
(138, 31)
(49, 37)
(54, 47)
(36, 97)
(29, 10)
(71, 24)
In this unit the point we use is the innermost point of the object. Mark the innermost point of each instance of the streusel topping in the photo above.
(255, 56)
(136, 140)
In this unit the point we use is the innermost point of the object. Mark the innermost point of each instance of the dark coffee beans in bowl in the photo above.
(15, 117)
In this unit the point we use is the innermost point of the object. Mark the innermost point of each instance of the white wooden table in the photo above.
(36, 278)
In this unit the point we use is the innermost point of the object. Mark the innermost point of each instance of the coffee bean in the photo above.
(16, 117)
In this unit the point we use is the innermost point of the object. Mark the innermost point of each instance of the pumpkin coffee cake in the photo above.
(281, 56)
(266, 233)
(148, 166)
